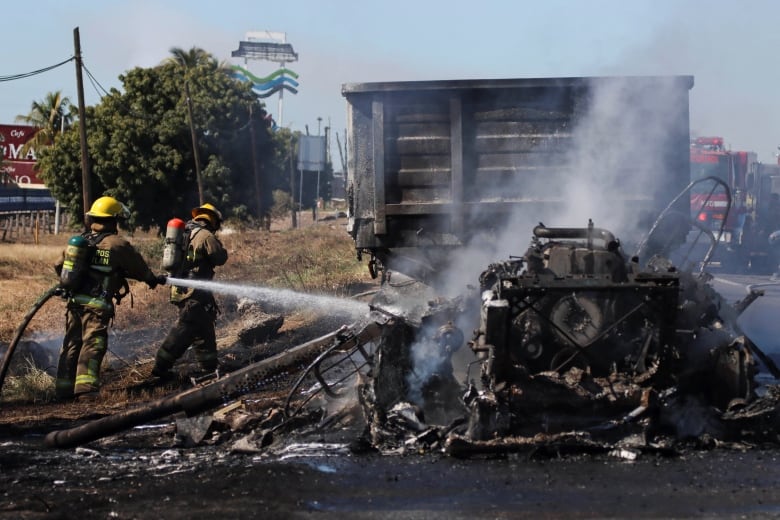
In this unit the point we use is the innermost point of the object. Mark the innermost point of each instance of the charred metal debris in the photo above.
(575, 347)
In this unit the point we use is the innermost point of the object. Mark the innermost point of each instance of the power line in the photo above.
(33, 73)
(102, 92)
(135, 114)
(95, 83)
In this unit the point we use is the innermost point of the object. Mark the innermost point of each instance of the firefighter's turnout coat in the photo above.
(197, 307)
(91, 306)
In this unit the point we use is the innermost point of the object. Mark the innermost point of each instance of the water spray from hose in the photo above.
(284, 298)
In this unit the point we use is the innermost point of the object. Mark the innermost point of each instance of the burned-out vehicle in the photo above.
(576, 340)
(578, 336)
(572, 305)
(437, 167)
(578, 345)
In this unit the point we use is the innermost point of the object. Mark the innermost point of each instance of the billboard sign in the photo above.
(18, 165)
(311, 152)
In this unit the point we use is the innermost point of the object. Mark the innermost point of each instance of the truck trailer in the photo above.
(437, 166)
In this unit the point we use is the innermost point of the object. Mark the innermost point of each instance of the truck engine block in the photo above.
(570, 301)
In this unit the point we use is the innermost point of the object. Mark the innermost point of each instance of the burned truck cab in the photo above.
(572, 302)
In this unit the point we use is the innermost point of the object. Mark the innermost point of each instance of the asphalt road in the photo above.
(322, 481)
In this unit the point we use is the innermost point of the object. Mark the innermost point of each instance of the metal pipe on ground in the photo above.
(199, 399)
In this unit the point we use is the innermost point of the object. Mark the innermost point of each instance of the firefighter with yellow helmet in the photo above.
(197, 308)
(108, 260)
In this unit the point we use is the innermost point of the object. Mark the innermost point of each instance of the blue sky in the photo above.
(731, 48)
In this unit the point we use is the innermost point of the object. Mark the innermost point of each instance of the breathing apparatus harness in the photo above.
(182, 260)
(86, 269)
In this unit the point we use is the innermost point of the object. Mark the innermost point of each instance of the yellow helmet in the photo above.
(210, 213)
(108, 207)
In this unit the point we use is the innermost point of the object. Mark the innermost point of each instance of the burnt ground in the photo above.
(322, 470)
(130, 477)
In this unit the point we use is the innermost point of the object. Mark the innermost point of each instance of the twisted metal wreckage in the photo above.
(578, 348)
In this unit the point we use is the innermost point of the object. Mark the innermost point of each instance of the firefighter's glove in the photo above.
(160, 279)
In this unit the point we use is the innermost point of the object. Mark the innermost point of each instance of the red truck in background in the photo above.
(752, 218)
(710, 158)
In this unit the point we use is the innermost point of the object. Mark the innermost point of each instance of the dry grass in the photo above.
(314, 259)
(34, 385)
(26, 271)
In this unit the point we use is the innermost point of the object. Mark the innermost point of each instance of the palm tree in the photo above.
(51, 116)
(191, 58)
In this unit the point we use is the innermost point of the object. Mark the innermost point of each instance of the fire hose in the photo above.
(53, 291)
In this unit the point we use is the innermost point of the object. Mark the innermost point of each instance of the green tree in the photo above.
(59, 166)
(140, 143)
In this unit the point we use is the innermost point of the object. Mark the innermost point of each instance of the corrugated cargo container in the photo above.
(434, 164)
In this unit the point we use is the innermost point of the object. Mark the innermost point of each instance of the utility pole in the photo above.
(316, 209)
(293, 212)
(258, 183)
(342, 155)
(86, 173)
(195, 154)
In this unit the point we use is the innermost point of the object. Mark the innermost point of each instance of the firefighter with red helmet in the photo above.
(197, 307)
(92, 296)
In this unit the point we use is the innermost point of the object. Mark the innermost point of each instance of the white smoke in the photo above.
(619, 150)
(428, 359)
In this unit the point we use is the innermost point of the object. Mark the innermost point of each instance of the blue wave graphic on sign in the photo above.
(274, 90)
(269, 85)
